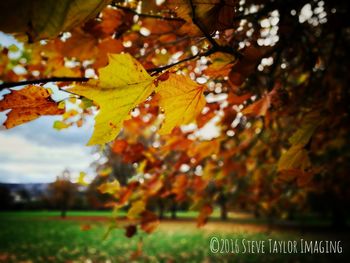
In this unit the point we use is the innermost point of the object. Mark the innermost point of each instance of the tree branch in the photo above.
(152, 71)
(7, 85)
(200, 54)
(201, 27)
(130, 10)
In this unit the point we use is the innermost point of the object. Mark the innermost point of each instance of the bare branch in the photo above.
(200, 54)
(130, 10)
(7, 85)
(201, 27)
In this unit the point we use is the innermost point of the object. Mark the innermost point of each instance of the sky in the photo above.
(36, 153)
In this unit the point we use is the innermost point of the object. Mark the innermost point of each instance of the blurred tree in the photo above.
(6, 198)
(62, 192)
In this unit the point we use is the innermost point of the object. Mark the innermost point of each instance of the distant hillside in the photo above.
(34, 190)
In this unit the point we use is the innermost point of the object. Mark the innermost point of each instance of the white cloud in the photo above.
(25, 158)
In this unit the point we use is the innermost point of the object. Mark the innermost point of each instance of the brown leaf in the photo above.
(80, 45)
(295, 158)
(28, 104)
(130, 230)
(111, 20)
(204, 214)
(119, 146)
(258, 108)
(149, 221)
(179, 187)
(303, 178)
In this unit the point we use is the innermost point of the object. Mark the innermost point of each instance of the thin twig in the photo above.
(200, 54)
(130, 10)
(201, 27)
(152, 71)
(7, 85)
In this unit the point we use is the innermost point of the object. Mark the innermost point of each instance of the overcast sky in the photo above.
(36, 153)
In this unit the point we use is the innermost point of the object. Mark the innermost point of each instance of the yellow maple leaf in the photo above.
(110, 187)
(181, 99)
(295, 158)
(121, 86)
(81, 179)
(105, 172)
(136, 209)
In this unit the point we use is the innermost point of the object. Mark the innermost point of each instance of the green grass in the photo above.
(30, 214)
(33, 236)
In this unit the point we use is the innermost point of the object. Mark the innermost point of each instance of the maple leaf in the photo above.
(149, 221)
(59, 125)
(110, 187)
(204, 214)
(28, 104)
(111, 20)
(130, 230)
(46, 18)
(303, 135)
(181, 99)
(221, 64)
(303, 177)
(258, 108)
(261, 107)
(122, 85)
(203, 149)
(81, 179)
(295, 158)
(136, 209)
(80, 45)
(105, 172)
(213, 14)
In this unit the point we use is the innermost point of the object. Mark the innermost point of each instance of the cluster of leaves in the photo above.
(269, 76)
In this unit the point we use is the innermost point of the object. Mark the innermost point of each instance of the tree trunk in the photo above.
(173, 210)
(223, 210)
(160, 209)
(223, 207)
(63, 209)
(338, 216)
(63, 213)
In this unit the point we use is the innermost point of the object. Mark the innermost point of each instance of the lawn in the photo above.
(43, 237)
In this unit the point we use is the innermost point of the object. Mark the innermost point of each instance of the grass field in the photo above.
(43, 237)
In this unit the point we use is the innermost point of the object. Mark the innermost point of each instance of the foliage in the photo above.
(269, 76)
(62, 192)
